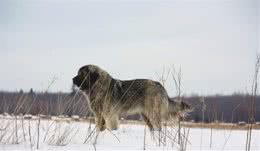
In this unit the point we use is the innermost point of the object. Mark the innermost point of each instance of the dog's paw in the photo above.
(100, 129)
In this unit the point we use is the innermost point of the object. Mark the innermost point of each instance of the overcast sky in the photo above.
(213, 41)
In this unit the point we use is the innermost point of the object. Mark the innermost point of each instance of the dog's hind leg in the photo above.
(147, 121)
(153, 115)
(156, 121)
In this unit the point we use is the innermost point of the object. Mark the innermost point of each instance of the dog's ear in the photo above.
(93, 77)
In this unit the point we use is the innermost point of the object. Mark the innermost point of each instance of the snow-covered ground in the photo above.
(80, 135)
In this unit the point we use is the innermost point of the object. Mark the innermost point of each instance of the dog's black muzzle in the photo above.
(75, 81)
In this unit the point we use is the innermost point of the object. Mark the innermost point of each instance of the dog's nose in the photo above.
(74, 80)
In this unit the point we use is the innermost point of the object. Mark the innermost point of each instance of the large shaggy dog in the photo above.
(109, 98)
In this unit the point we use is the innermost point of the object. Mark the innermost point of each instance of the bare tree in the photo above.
(252, 107)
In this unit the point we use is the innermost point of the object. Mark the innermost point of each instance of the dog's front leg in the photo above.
(100, 122)
(112, 122)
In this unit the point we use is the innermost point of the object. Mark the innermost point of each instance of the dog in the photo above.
(110, 98)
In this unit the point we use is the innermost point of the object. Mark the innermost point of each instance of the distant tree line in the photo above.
(223, 108)
(228, 108)
(43, 103)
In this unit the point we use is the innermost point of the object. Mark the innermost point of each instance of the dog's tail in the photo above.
(178, 108)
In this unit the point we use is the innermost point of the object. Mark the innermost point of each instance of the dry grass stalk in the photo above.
(38, 133)
(176, 76)
(30, 134)
(144, 148)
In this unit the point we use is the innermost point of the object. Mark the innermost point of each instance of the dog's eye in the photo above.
(81, 73)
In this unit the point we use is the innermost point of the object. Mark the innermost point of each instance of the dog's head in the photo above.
(86, 78)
